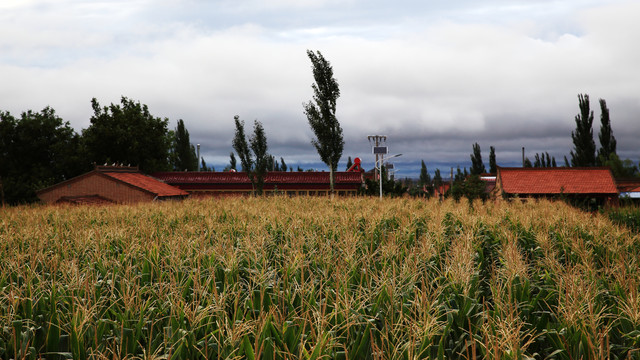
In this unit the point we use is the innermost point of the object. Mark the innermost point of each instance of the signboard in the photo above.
(389, 166)
(380, 150)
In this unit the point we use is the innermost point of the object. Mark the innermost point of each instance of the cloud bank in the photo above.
(434, 79)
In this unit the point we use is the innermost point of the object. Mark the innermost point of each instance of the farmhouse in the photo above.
(110, 184)
(238, 183)
(595, 184)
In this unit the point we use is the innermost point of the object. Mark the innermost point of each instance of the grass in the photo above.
(290, 278)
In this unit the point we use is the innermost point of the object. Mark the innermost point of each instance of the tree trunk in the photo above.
(331, 180)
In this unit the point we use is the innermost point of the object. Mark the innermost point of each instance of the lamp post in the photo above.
(379, 167)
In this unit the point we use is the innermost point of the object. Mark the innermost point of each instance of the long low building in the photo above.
(110, 184)
(238, 183)
(594, 184)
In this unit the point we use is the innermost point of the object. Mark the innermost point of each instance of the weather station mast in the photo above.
(380, 150)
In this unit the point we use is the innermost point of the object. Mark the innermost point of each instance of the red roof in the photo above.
(127, 175)
(147, 183)
(272, 177)
(563, 180)
(628, 185)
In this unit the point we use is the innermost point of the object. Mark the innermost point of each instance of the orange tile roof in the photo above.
(147, 183)
(595, 180)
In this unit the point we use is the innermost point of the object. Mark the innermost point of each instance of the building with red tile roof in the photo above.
(629, 188)
(238, 183)
(116, 184)
(587, 183)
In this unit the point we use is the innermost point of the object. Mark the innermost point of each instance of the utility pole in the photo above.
(198, 157)
(379, 152)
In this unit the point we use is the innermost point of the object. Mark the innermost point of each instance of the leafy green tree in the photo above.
(424, 182)
(544, 160)
(232, 161)
(321, 113)
(607, 140)
(349, 163)
(390, 187)
(256, 168)
(128, 134)
(241, 146)
(283, 165)
(584, 150)
(459, 175)
(259, 147)
(205, 167)
(272, 164)
(493, 166)
(437, 178)
(621, 168)
(477, 166)
(184, 153)
(425, 178)
(527, 163)
(36, 151)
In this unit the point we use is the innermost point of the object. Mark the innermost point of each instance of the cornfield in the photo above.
(312, 278)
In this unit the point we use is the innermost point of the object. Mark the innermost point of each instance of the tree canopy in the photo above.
(127, 134)
(36, 151)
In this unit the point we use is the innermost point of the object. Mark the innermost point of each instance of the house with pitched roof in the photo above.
(595, 184)
(238, 183)
(110, 184)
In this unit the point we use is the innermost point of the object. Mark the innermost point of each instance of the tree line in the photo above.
(40, 149)
(584, 154)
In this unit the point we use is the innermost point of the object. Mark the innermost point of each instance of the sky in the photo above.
(435, 77)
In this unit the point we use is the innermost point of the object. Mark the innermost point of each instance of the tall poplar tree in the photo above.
(321, 113)
(259, 147)
(425, 178)
(477, 166)
(232, 161)
(349, 163)
(584, 148)
(256, 168)
(241, 146)
(184, 152)
(607, 140)
(493, 166)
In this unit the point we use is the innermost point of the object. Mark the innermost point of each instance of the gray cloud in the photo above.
(435, 77)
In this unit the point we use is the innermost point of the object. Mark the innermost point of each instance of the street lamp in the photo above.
(379, 167)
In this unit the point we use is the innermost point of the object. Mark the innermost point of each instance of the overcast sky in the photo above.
(434, 76)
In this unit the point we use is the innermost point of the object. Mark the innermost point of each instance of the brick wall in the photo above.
(96, 184)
